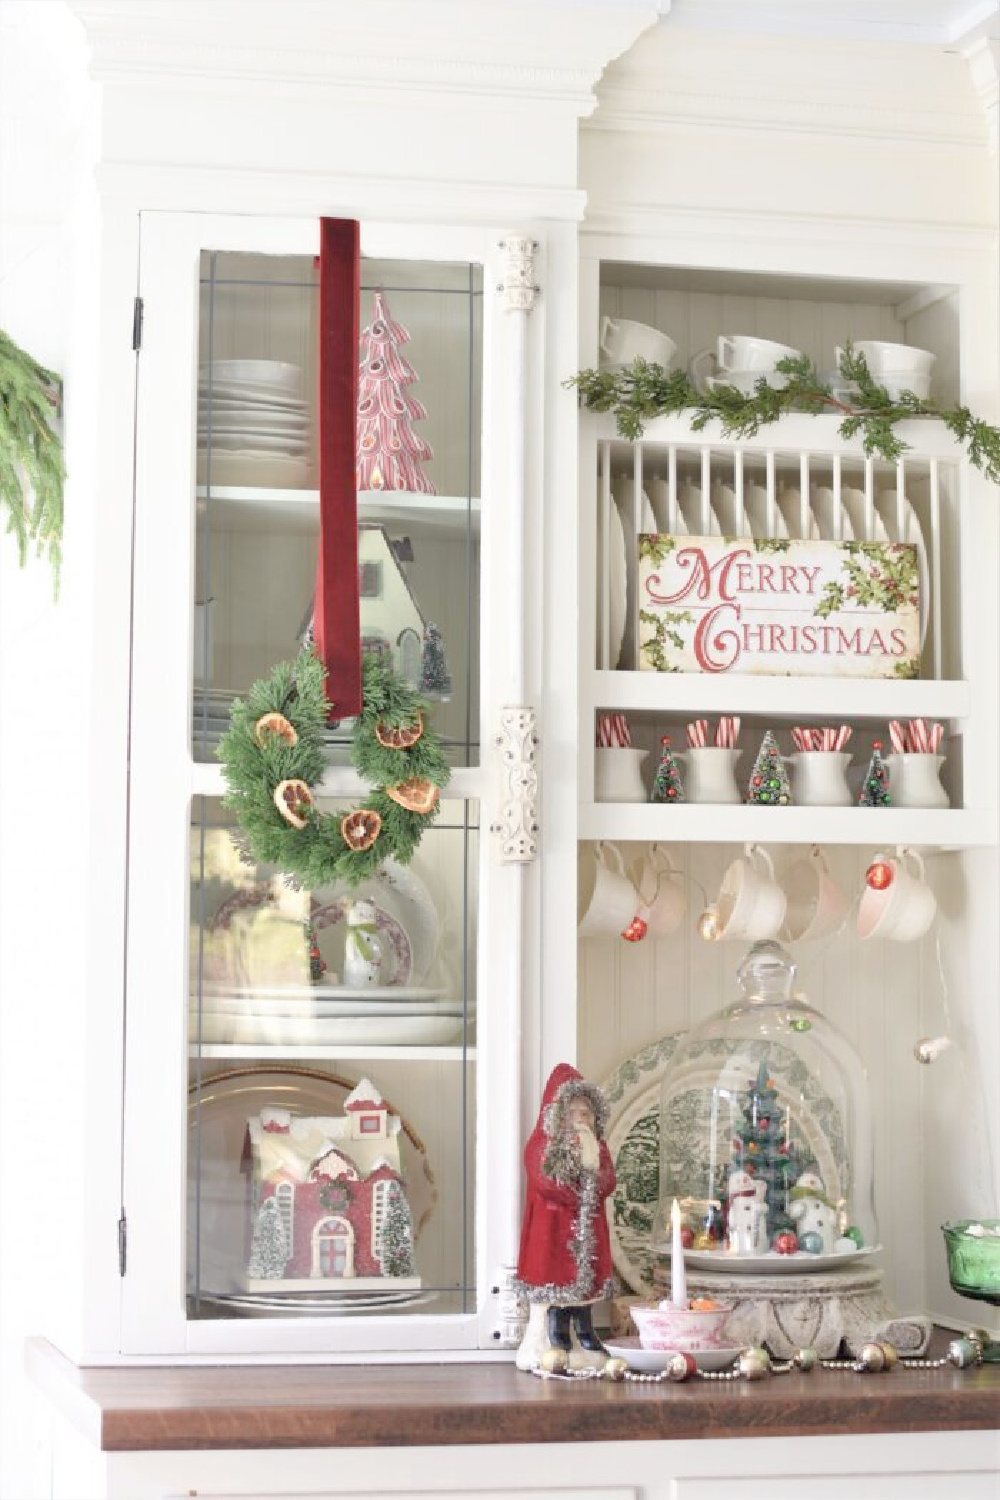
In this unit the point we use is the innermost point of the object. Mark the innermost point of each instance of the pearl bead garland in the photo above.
(754, 1363)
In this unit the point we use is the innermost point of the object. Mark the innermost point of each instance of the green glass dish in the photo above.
(973, 1247)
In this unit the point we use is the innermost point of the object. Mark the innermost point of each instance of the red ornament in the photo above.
(786, 1243)
(687, 1236)
(665, 739)
(879, 874)
(636, 930)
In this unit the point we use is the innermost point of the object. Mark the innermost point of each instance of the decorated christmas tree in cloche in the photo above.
(389, 453)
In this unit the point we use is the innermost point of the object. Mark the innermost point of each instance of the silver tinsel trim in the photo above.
(583, 1251)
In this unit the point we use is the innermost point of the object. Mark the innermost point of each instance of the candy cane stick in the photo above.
(937, 735)
(919, 738)
(897, 736)
(843, 735)
(697, 733)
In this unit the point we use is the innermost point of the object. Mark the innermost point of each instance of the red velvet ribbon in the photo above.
(336, 618)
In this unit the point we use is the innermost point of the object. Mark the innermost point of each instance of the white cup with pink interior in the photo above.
(903, 910)
(662, 897)
(751, 904)
(815, 904)
(606, 898)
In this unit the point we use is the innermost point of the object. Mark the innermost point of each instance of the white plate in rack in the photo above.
(255, 470)
(885, 506)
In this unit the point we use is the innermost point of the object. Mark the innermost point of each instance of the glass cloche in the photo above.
(766, 1134)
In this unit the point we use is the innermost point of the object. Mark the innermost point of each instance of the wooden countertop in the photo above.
(167, 1408)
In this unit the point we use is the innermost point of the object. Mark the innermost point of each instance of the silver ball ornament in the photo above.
(754, 1363)
(890, 1354)
(709, 926)
(680, 1366)
(872, 1358)
(615, 1369)
(554, 1361)
(805, 1360)
(964, 1352)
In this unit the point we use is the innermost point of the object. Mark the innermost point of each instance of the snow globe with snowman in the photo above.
(767, 1145)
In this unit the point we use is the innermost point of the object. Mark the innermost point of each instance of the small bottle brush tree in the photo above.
(762, 1149)
(389, 453)
(667, 785)
(269, 1249)
(397, 1234)
(769, 779)
(435, 678)
(875, 787)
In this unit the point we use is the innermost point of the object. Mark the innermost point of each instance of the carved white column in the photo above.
(516, 738)
(983, 57)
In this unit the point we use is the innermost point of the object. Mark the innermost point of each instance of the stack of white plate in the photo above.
(253, 425)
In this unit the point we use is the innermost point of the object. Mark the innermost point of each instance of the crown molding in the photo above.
(437, 49)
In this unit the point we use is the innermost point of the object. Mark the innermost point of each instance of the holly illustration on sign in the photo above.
(845, 609)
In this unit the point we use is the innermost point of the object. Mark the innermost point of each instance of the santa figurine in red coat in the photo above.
(564, 1265)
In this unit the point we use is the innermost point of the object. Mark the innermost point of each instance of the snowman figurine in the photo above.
(746, 1214)
(362, 948)
(814, 1215)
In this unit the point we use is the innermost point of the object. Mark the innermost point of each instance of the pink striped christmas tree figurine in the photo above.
(389, 453)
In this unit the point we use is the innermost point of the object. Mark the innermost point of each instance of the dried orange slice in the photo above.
(399, 736)
(361, 828)
(276, 724)
(417, 794)
(294, 801)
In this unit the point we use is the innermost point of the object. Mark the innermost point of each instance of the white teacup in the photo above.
(816, 905)
(904, 910)
(898, 360)
(751, 904)
(710, 773)
(819, 778)
(663, 899)
(915, 780)
(745, 353)
(623, 341)
(606, 898)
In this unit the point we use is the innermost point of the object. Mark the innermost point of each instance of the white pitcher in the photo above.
(915, 780)
(819, 778)
(710, 773)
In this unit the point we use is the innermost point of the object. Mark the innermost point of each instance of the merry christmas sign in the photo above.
(793, 609)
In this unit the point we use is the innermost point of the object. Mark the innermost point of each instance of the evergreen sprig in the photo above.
(643, 391)
(31, 458)
(318, 855)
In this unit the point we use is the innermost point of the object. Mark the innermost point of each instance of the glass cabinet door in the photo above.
(324, 1136)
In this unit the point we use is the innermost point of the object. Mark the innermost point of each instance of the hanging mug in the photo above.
(904, 909)
(816, 906)
(606, 898)
(751, 904)
(662, 898)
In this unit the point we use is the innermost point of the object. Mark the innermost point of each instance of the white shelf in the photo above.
(880, 827)
(795, 433)
(247, 508)
(794, 697)
(231, 1051)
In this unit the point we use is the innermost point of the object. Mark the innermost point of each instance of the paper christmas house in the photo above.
(326, 1200)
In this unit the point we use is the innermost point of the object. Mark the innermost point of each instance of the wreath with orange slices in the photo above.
(273, 758)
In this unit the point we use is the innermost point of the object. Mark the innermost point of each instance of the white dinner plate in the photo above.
(652, 1361)
(774, 1264)
(659, 497)
(400, 890)
(251, 397)
(264, 444)
(689, 504)
(789, 504)
(261, 419)
(823, 506)
(885, 506)
(615, 563)
(250, 1305)
(755, 505)
(326, 1000)
(256, 470)
(623, 495)
(397, 1030)
(854, 504)
(254, 372)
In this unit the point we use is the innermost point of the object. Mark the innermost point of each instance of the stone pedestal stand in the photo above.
(817, 1311)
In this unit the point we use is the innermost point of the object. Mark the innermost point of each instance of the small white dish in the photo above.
(653, 1361)
(755, 505)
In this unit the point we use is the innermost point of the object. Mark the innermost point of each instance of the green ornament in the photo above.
(854, 1233)
(799, 1023)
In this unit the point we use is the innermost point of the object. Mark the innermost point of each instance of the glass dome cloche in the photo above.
(766, 1135)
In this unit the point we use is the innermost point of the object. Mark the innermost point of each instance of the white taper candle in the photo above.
(678, 1283)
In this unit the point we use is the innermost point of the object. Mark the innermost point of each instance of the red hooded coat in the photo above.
(565, 1256)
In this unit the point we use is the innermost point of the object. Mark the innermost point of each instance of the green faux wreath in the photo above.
(275, 742)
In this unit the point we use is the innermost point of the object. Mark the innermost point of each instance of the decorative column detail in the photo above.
(983, 57)
(518, 285)
(518, 823)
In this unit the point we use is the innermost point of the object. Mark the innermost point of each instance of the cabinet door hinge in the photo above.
(137, 323)
(122, 1243)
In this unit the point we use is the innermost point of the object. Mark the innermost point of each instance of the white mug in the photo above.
(662, 898)
(904, 910)
(891, 359)
(710, 773)
(914, 780)
(624, 340)
(819, 778)
(745, 353)
(618, 774)
(606, 898)
(751, 904)
(816, 905)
